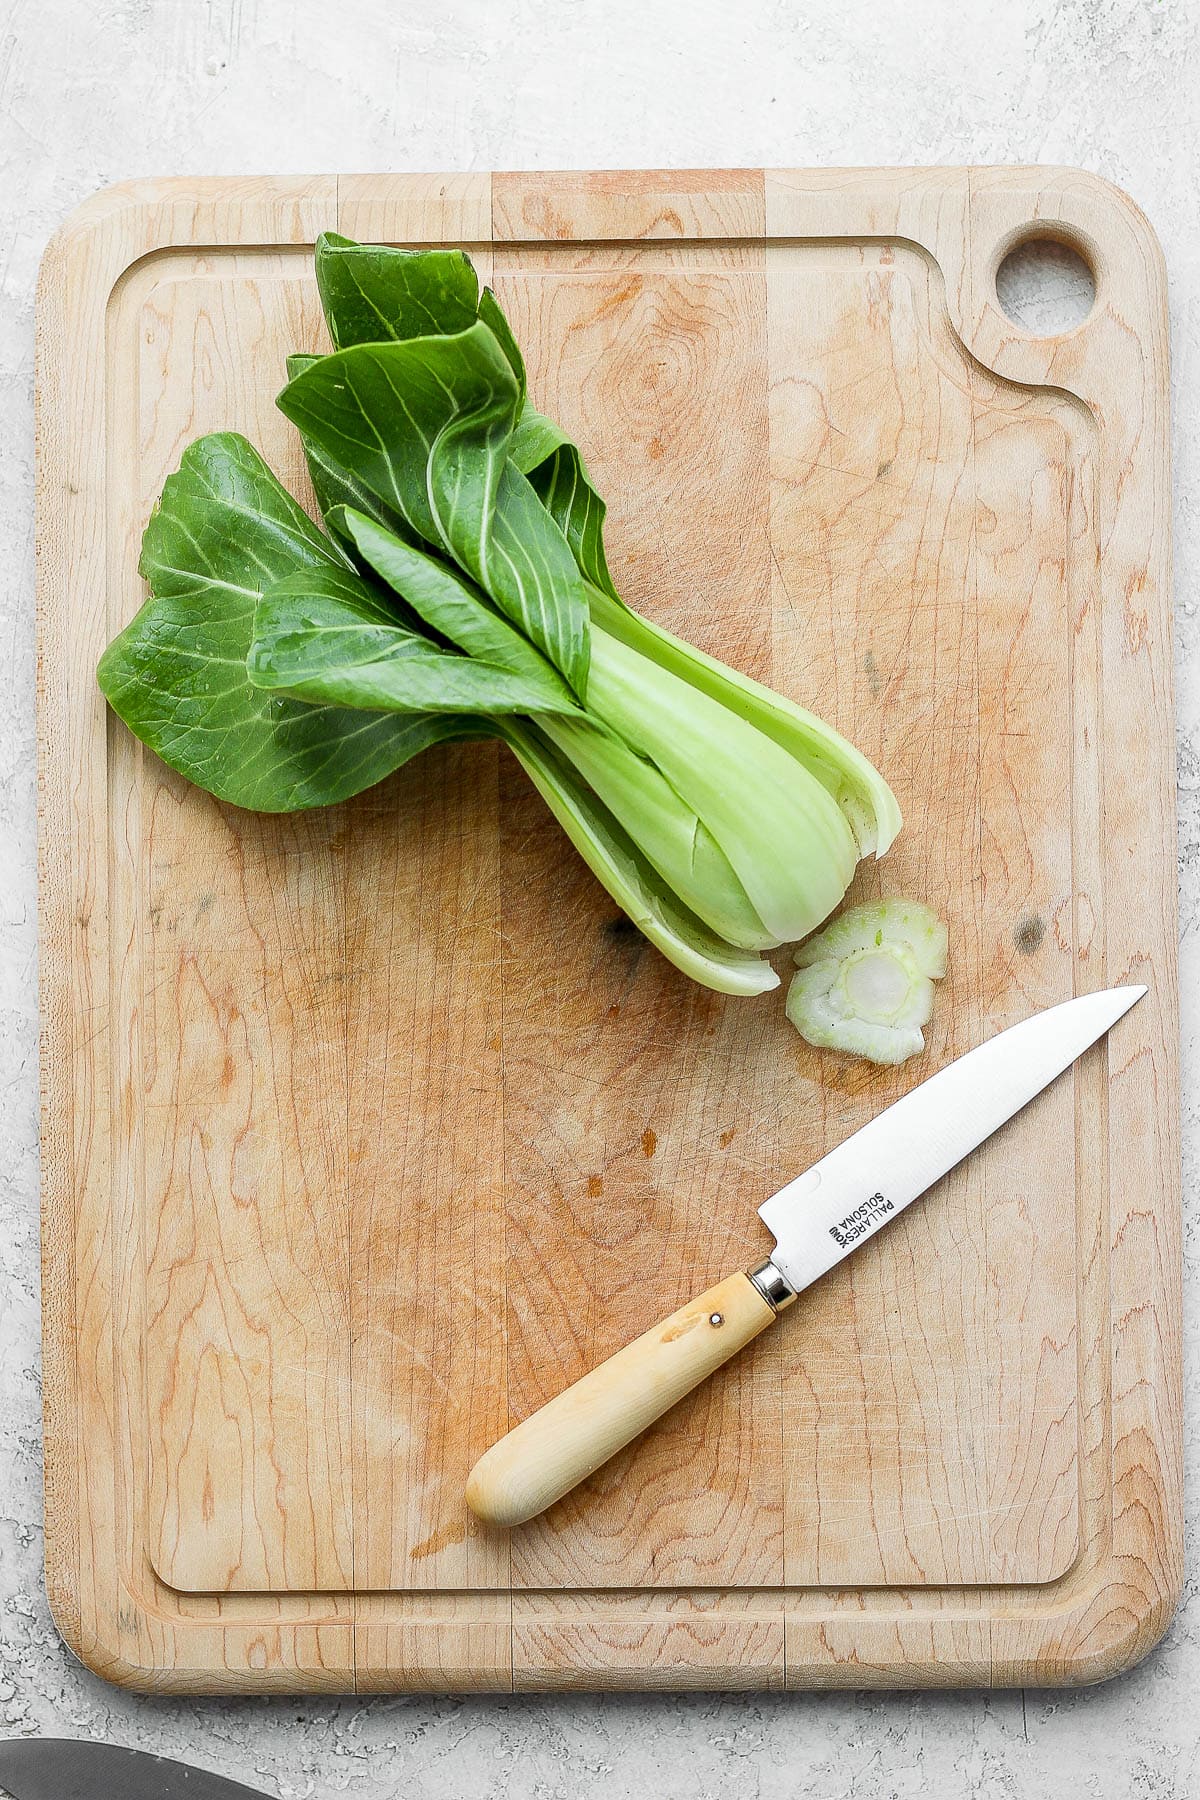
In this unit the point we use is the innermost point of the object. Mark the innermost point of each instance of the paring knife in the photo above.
(74, 1769)
(821, 1217)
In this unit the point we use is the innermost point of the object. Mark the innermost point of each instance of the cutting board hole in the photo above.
(1045, 286)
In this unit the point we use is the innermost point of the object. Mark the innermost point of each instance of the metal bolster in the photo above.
(773, 1285)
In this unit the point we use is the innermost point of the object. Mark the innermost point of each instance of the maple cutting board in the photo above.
(367, 1130)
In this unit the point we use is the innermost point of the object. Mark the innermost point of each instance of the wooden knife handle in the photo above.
(542, 1458)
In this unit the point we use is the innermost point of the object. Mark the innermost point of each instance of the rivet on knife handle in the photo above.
(547, 1454)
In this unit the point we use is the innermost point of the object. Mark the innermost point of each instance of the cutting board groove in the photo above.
(366, 1131)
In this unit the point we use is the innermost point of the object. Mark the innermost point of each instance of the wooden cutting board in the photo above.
(365, 1131)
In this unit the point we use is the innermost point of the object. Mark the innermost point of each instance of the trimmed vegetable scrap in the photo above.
(865, 983)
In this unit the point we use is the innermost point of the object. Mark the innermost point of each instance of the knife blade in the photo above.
(75, 1769)
(823, 1215)
(842, 1200)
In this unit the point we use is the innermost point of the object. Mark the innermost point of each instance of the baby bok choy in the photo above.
(458, 588)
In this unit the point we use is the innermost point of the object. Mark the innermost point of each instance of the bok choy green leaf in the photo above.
(424, 426)
(324, 636)
(223, 532)
(371, 294)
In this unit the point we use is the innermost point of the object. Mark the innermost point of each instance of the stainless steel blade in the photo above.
(70, 1769)
(826, 1213)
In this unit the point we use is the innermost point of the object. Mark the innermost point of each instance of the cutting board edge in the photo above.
(1105, 1632)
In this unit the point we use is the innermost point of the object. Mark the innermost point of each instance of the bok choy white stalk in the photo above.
(459, 588)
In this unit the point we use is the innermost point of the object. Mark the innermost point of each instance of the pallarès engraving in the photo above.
(864, 1218)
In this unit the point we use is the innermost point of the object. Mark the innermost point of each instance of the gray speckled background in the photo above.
(93, 91)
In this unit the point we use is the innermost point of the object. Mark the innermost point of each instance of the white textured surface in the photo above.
(93, 91)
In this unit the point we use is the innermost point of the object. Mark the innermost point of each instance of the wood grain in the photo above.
(248, 1248)
(362, 1129)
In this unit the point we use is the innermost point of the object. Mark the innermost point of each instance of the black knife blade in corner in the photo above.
(74, 1769)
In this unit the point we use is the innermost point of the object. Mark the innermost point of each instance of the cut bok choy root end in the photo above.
(457, 587)
(865, 984)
